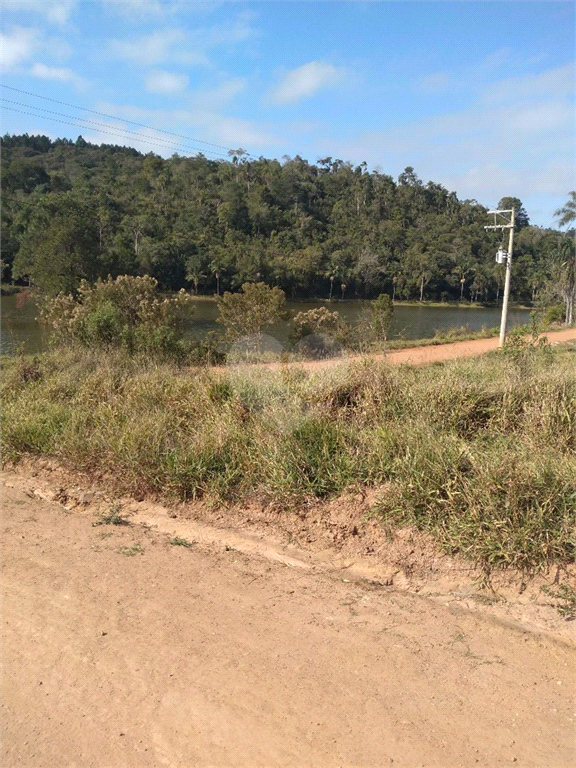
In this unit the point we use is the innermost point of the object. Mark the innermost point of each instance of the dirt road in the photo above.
(440, 352)
(123, 650)
(424, 355)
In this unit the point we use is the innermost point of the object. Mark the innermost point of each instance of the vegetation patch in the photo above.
(477, 452)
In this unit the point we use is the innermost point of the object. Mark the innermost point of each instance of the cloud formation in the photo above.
(17, 46)
(210, 128)
(149, 49)
(305, 81)
(62, 74)
(55, 11)
(165, 82)
(143, 10)
(174, 44)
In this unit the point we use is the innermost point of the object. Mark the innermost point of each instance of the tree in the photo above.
(564, 264)
(311, 229)
(379, 317)
(194, 273)
(246, 313)
(521, 218)
(60, 248)
(567, 214)
(563, 277)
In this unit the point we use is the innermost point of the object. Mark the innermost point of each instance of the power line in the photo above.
(112, 117)
(75, 125)
(105, 125)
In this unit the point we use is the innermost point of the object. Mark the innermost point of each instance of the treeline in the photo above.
(74, 210)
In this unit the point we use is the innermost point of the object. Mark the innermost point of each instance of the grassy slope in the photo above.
(478, 452)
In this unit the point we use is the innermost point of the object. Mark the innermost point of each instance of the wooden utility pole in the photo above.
(505, 257)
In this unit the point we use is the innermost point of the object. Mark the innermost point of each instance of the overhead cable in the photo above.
(154, 139)
(112, 117)
(101, 130)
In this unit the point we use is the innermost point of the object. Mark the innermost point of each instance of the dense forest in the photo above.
(73, 210)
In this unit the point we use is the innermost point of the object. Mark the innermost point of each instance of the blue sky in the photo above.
(478, 96)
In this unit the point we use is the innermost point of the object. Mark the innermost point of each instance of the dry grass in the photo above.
(477, 452)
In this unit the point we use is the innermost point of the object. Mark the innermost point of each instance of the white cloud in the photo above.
(205, 125)
(55, 11)
(136, 11)
(305, 81)
(148, 49)
(559, 81)
(63, 74)
(165, 82)
(233, 131)
(220, 95)
(17, 46)
(173, 44)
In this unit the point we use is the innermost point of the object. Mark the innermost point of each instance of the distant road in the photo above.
(432, 353)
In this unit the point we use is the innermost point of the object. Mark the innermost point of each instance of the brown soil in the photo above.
(304, 642)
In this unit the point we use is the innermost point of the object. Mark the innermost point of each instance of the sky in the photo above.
(477, 96)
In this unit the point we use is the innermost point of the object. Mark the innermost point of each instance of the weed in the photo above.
(112, 517)
(565, 599)
(135, 549)
(177, 541)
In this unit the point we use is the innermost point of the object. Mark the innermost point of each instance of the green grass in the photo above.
(477, 452)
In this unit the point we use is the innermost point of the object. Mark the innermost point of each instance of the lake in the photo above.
(20, 326)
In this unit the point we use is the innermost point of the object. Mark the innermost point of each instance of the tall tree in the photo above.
(522, 219)
(567, 214)
(61, 247)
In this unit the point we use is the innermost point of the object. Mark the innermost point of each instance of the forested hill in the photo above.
(73, 210)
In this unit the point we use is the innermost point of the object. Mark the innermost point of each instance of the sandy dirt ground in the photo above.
(124, 650)
(440, 352)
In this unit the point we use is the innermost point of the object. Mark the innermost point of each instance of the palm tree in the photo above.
(565, 266)
(567, 214)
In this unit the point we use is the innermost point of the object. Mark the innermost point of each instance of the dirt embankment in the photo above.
(169, 642)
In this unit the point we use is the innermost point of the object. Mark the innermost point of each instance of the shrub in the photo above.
(553, 314)
(380, 315)
(126, 312)
(319, 333)
(479, 452)
(246, 313)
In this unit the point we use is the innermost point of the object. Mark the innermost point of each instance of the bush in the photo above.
(126, 312)
(553, 314)
(319, 333)
(246, 313)
(379, 317)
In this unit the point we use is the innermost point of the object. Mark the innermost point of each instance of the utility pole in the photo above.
(505, 257)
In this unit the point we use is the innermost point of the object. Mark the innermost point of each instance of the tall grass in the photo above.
(477, 452)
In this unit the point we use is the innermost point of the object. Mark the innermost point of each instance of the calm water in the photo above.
(20, 326)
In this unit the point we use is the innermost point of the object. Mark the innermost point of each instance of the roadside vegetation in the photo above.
(477, 452)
